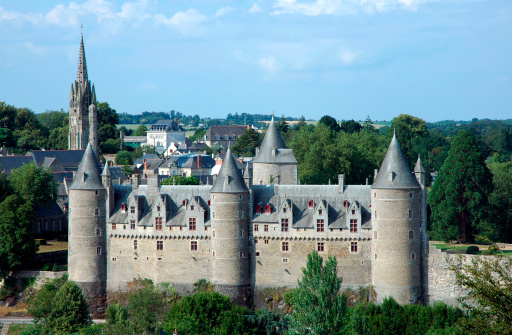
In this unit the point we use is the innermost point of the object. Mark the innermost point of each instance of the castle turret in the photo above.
(419, 172)
(396, 207)
(230, 233)
(274, 164)
(87, 224)
(93, 128)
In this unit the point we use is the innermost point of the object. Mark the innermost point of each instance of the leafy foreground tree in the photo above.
(180, 180)
(319, 308)
(459, 197)
(60, 308)
(247, 143)
(34, 185)
(488, 281)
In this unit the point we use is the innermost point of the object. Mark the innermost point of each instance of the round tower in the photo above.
(87, 262)
(93, 128)
(396, 241)
(274, 164)
(230, 233)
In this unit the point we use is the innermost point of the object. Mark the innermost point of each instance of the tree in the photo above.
(141, 130)
(318, 306)
(17, 244)
(58, 139)
(69, 311)
(282, 125)
(180, 180)
(106, 115)
(34, 185)
(501, 198)
(351, 126)
(7, 138)
(198, 134)
(408, 129)
(53, 119)
(107, 132)
(489, 299)
(124, 158)
(247, 143)
(459, 197)
(110, 146)
(7, 115)
(330, 122)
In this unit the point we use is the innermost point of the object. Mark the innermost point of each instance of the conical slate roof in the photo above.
(395, 172)
(272, 140)
(81, 76)
(88, 174)
(229, 179)
(247, 173)
(419, 167)
(106, 170)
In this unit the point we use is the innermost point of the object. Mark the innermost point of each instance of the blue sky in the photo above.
(437, 60)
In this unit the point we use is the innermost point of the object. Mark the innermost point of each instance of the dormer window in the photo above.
(184, 202)
(158, 208)
(345, 203)
(320, 212)
(268, 210)
(311, 204)
(353, 212)
(284, 209)
(123, 208)
(191, 208)
(208, 203)
(258, 209)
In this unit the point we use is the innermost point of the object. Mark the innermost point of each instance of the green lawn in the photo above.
(53, 246)
(463, 247)
(17, 329)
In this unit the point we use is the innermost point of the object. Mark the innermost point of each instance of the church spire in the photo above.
(82, 66)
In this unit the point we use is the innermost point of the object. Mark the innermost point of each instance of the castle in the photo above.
(246, 233)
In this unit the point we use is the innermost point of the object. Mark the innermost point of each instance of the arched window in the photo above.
(268, 209)
(311, 204)
(258, 209)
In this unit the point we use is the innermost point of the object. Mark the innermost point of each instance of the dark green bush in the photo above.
(472, 250)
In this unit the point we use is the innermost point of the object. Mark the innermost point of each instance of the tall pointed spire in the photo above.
(395, 172)
(81, 76)
(271, 141)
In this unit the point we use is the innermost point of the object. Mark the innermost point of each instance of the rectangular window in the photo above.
(320, 247)
(285, 246)
(132, 224)
(124, 227)
(284, 225)
(96, 211)
(134, 244)
(353, 212)
(284, 209)
(255, 241)
(285, 260)
(114, 226)
(213, 253)
(158, 223)
(256, 228)
(266, 241)
(320, 228)
(265, 227)
(98, 232)
(257, 254)
(353, 246)
(192, 224)
(375, 234)
(132, 209)
(192, 208)
(320, 212)
(241, 233)
(411, 235)
(159, 245)
(413, 256)
(353, 225)
(193, 245)
(98, 250)
(410, 214)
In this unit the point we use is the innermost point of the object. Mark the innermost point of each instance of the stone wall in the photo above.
(41, 277)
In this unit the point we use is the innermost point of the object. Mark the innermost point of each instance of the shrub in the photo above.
(472, 250)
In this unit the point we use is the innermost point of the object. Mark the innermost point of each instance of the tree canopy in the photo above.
(247, 143)
(330, 122)
(140, 131)
(34, 185)
(460, 196)
(180, 180)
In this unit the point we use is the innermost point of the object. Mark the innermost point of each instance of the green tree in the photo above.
(247, 143)
(7, 115)
(124, 158)
(106, 114)
(409, 129)
(501, 198)
(330, 122)
(40, 305)
(350, 126)
(180, 180)
(53, 119)
(141, 130)
(7, 138)
(34, 185)
(459, 197)
(17, 244)
(198, 134)
(318, 306)
(489, 299)
(111, 146)
(58, 139)
(68, 311)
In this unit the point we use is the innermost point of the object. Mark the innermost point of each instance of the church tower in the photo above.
(396, 198)
(230, 233)
(81, 97)
(87, 260)
(274, 164)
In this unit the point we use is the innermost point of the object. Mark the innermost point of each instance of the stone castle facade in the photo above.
(253, 231)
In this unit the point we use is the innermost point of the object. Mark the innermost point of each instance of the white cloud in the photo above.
(223, 11)
(347, 56)
(61, 15)
(185, 22)
(12, 15)
(148, 86)
(254, 9)
(268, 64)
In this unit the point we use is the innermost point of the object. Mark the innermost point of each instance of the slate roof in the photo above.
(88, 174)
(419, 167)
(272, 149)
(300, 195)
(117, 173)
(166, 125)
(229, 179)
(190, 161)
(223, 131)
(8, 163)
(145, 157)
(395, 163)
(69, 159)
(52, 210)
(239, 164)
(198, 146)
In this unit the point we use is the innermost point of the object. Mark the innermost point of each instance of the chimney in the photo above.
(341, 183)
(375, 172)
(199, 165)
(135, 181)
(145, 165)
